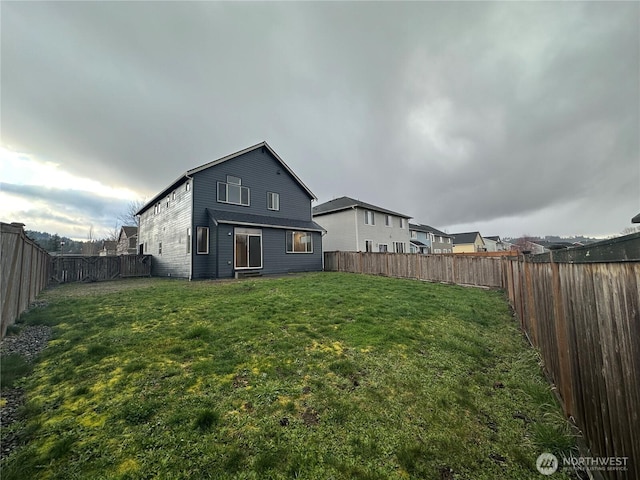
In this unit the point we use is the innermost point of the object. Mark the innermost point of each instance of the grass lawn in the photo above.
(321, 375)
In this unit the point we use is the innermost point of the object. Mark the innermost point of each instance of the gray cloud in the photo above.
(456, 113)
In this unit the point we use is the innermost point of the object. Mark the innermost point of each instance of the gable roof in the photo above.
(345, 203)
(231, 156)
(495, 238)
(128, 231)
(466, 237)
(426, 228)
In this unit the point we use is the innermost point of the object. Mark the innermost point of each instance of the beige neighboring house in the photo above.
(468, 242)
(127, 241)
(355, 226)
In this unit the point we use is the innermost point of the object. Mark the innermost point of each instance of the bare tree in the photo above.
(90, 247)
(129, 218)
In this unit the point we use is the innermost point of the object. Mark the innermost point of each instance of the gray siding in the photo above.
(169, 226)
(346, 231)
(261, 173)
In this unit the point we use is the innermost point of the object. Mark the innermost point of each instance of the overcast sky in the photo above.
(507, 118)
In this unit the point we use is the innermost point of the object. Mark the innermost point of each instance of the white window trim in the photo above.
(198, 252)
(250, 232)
(388, 221)
(366, 217)
(292, 232)
(370, 243)
(383, 244)
(226, 184)
(275, 196)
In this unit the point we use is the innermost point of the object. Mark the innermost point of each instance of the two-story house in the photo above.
(426, 239)
(357, 226)
(468, 242)
(494, 244)
(245, 213)
(127, 241)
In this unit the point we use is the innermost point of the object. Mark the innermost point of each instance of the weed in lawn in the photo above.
(207, 419)
(12, 368)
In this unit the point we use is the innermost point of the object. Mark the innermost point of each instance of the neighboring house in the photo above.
(355, 226)
(127, 241)
(636, 219)
(246, 213)
(494, 244)
(108, 248)
(426, 239)
(468, 242)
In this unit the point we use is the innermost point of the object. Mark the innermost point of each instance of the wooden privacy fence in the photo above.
(461, 269)
(80, 268)
(579, 307)
(25, 271)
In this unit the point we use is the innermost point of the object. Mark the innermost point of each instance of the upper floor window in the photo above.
(402, 223)
(273, 201)
(414, 234)
(233, 191)
(173, 195)
(187, 186)
(387, 220)
(369, 218)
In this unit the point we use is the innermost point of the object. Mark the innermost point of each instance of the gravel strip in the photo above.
(29, 341)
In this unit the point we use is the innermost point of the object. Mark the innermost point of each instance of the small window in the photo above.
(402, 223)
(387, 221)
(398, 247)
(382, 247)
(202, 234)
(189, 240)
(168, 201)
(173, 195)
(369, 218)
(187, 186)
(368, 246)
(299, 242)
(273, 201)
(414, 234)
(160, 248)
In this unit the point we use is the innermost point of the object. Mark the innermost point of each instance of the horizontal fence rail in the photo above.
(25, 272)
(81, 268)
(579, 307)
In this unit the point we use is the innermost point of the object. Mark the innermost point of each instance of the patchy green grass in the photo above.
(313, 376)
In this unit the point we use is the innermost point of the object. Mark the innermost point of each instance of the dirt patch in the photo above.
(310, 417)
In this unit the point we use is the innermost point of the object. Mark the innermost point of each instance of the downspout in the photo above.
(193, 231)
(217, 250)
